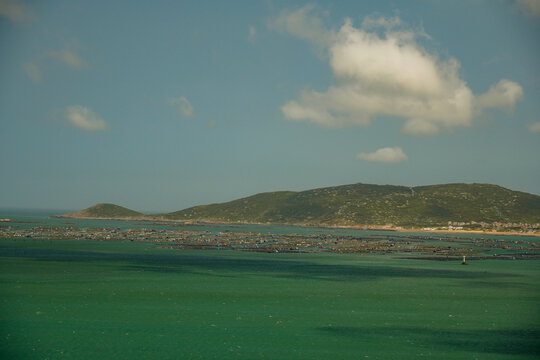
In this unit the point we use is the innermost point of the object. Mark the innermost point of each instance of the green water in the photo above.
(91, 300)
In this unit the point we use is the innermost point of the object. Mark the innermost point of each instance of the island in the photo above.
(447, 207)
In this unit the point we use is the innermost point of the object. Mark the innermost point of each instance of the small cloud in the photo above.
(84, 118)
(33, 72)
(529, 7)
(34, 67)
(16, 11)
(535, 128)
(183, 105)
(505, 93)
(68, 58)
(385, 155)
(387, 23)
(252, 33)
(305, 24)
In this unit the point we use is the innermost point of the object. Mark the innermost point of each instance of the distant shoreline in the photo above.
(419, 230)
(479, 232)
(354, 227)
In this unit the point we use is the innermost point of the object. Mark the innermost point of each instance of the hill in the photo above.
(375, 204)
(104, 211)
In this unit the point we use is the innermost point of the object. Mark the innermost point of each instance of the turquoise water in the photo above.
(78, 299)
(87, 300)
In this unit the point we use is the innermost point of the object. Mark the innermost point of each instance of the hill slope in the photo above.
(375, 204)
(104, 211)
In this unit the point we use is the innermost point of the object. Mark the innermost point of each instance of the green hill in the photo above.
(376, 204)
(105, 211)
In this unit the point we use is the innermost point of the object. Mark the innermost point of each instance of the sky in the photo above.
(163, 105)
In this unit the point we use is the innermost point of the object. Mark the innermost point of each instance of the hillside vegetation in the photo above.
(376, 204)
(357, 204)
(105, 211)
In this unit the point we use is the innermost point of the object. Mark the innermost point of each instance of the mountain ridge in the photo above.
(363, 204)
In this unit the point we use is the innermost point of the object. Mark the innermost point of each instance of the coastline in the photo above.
(357, 227)
(421, 230)
(479, 232)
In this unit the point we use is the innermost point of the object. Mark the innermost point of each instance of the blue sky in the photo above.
(159, 106)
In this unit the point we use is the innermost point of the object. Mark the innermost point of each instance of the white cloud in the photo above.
(84, 118)
(529, 7)
(387, 75)
(419, 127)
(302, 24)
(385, 155)
(370, 22)
(183, 105)
(33, 72)
(69, 58)
(16, 11)
(503, 94)
(33, 68)
(535, 128)
(252, 33)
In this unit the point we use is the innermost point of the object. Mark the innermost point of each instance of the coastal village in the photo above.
(495, 226)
